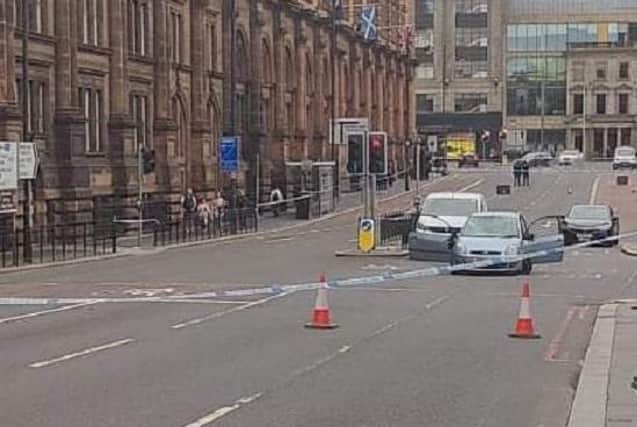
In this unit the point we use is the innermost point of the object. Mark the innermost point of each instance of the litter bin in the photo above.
(622, 180)
(303, 207)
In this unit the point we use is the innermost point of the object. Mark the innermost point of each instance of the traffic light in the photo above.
(378, 153)
(148, 160)
(355, 152)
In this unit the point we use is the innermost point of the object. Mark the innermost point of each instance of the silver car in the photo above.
(502, 237)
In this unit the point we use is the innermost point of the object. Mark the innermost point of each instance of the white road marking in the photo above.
(216, 415)
(213, 316)
(272, 241)
(554, 345)
(471, 186)
(82, 353)
(594, 191)
(43, 313)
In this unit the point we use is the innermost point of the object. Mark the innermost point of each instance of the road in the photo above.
(431, 351)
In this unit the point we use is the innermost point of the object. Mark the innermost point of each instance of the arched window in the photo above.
(179, 116)
(309, 93)
(215, 128)
(289, 85)
(242, 67)
(266, 90)
(326, 89)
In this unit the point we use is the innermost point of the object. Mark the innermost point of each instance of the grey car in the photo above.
(504, 238)
(591, 223)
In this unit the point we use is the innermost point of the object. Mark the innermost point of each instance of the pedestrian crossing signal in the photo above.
(378, 153)
(148, 160)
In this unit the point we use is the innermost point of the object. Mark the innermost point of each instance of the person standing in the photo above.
(189, 209)
(525, 174)
(276, 197)
(517, 173)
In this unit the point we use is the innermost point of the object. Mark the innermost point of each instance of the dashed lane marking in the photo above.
(82, 353)
(43, 313)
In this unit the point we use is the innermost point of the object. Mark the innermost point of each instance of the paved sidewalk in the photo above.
(605, 395)
(624, 200)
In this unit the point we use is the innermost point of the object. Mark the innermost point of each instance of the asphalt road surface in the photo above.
(426, 352)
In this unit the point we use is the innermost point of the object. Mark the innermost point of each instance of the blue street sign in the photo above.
(229, 154)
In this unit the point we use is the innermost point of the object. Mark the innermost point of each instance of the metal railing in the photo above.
(395, 229)
(195, 228)
(54, 243)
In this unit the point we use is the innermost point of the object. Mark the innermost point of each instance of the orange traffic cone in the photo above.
(524, 325)
(321, 318)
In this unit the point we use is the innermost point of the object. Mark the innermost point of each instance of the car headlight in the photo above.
(421, 227)
(512, 250)
(461, 249)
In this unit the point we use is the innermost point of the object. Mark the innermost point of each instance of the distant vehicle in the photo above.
(569, 157)
(625, 158)
(502, 234)
(537, 159)
(439, 165)
(459, 145)
(590, 222)
(469, 160)
(441, 215)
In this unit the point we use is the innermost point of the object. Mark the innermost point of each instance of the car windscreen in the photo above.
(491, 226)
(450, 207)
(589, 213)
(570, 153)
(625, 152)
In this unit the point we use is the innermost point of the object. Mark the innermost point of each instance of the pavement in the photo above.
(429, 351)
(624, 200)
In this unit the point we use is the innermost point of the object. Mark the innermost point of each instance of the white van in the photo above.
(447, 212)
(625, 157)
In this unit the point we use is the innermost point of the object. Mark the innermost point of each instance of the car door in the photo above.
(546, 247)
(430, 246)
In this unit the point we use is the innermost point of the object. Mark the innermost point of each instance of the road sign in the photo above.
(345, 126)
(366, 235)
(29, 161)
(8, 165)
(229, 154)
(8, 202)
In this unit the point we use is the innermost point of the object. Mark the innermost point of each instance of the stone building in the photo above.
(514, 65)
(108, 75)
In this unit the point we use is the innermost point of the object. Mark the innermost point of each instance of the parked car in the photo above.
(538, 159)
(625, 158)
(468, 160)
(569, 157)
(440, 216)
(590, 222)
(501, 234)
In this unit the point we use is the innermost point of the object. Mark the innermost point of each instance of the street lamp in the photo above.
(26, 135)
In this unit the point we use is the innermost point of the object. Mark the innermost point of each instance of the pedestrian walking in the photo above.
(525, 174)
(276, 197)
(218, 210)
(189, 209)
(517, 173)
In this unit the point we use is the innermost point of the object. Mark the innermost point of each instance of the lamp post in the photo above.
(26, 134)
(406, 147)
(334, 17)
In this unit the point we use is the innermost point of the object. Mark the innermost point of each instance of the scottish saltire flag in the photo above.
(368, 23)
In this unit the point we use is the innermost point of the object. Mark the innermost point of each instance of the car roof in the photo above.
(449, 195)
(503, 214)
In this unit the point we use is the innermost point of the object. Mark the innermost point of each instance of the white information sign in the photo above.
(8, 165)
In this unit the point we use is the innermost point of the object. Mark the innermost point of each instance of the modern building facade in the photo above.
(106, 76)
(559, 74)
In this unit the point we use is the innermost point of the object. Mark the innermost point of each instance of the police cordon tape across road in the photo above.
(277, 289)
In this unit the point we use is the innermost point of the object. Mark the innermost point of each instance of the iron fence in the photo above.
(395, 228)
(53, 243)
(194, 228)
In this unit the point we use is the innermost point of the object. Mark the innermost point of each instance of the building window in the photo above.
(579, 141)
(36, 12)
(212, 47)
(138, 27)
(600, 104)
(89, 21)
(623, 103)
(626, 136)
(470, 103)
(424, 103)
(578, 103)
(624, 68)
(471, 69)
(600, 70)
(425, 6)
(425, 40)
(36, 105)
(140, 113)
(472, 6)
(176, 36)
(472, 37)
(92, 108)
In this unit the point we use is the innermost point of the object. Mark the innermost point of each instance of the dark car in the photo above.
(468, 160)
(590, 223)
(538, 159)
